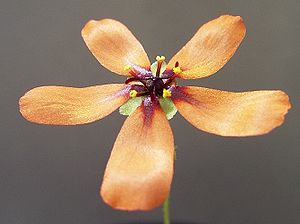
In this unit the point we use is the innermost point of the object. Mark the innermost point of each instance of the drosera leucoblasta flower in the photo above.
(139, 172)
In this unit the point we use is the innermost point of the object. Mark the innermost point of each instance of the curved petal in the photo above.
(232, 114)
(210, 48)
(114, 45)
(140, 169)
(59, 105)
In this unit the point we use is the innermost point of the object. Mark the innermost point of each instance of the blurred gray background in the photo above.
(51, 174)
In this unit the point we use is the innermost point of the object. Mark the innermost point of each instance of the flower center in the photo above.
(155, 82)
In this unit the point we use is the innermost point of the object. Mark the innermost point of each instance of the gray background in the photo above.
(51, 174)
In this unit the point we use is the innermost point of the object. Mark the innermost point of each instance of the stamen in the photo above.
(129, 69)
(134, 79)
(177, 70)
(167, 93)
(160, 60)
(169, 81)
(133, 93)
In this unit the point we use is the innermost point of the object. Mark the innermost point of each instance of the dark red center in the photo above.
(150, 84)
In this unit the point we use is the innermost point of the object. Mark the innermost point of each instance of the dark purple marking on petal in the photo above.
(179, 94)
(141, 72)
(138, 88)
(123, 92)
(149, 105)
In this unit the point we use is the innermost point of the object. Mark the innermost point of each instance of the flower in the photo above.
(139, 172)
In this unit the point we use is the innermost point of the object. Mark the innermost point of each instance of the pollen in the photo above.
(177, 70)
(133, 93)
(127, 68)
(160, 58)
(166, 93)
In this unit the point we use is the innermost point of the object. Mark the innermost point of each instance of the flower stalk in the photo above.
(166, 211)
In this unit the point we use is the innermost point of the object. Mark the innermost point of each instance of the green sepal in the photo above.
(168, 107)
(153, 68)
(130, 106)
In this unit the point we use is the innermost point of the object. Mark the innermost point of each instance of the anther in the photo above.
(177, 70)
(160, 58)
(127, 68)
(167, 93)
(133, 93)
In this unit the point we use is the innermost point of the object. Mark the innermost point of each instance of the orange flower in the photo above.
(139, 172)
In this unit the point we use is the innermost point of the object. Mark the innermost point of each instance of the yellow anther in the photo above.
(177, 70)
(166, 93)
(133, 93)
(127, 68)
(160, 58)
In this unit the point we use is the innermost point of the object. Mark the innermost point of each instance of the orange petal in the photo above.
(229, 113)
(59, 105)
(210, 48)
(140, 169)
(114, 45)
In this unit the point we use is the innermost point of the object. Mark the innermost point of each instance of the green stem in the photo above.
(166, 211)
